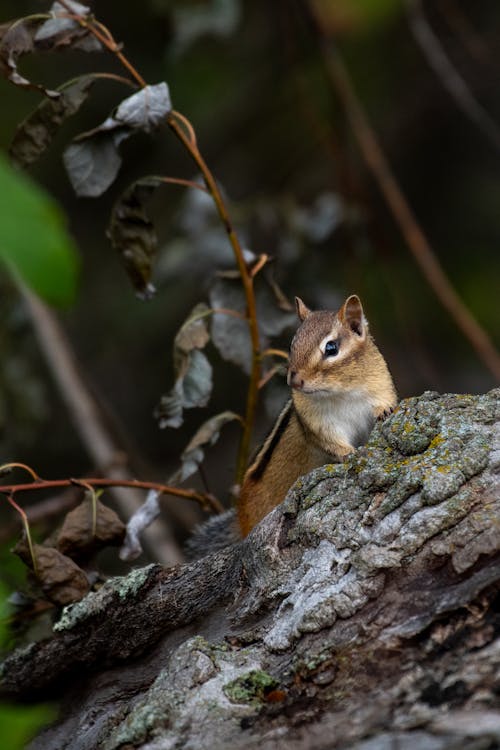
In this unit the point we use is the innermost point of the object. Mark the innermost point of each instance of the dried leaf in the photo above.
(93, 160)
(61, 31)
(193, 384)
(141, 519)
(205, 436)
(192, 388)
(75, 537)
(34, 135)
(133, 235)
(61, 580)
(17, 39)
(22, 36)
(230, 334)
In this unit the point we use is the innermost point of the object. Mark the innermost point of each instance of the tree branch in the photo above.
(369, 592)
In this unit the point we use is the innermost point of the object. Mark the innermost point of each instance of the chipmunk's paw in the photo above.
(381, 415)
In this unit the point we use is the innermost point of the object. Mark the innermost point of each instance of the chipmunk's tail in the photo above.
(213, 535)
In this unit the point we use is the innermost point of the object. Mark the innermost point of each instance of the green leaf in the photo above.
(34, 243)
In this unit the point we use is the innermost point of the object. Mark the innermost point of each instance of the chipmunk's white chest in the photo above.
(345, 417)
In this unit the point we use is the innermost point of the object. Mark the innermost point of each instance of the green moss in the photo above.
(251, 687)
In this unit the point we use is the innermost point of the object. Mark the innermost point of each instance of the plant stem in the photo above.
(165, 489)
(248, 288)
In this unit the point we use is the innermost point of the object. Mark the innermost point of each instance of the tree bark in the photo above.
(361, 613)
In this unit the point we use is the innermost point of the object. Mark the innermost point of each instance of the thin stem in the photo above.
(93, 495)
(187, 125)
(115, 77)
(16, 465)
(275, 353)
(259, 264)
(164, 489)
(26, 525)
(269, 375)
(247, 281)
(184, 183)
(106, 39)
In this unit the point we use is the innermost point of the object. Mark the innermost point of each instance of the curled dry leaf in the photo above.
(75, 537)
(34, 135)
(140, 520)
(133, 235)
(60, 579)
(61, 31)
(193, 383)
(17, 39)
(22, 36)
(93, 160)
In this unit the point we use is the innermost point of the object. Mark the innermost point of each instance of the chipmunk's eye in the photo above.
(331, 348)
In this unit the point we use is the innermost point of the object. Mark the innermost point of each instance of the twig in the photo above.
(106, 39)
(401, 211)
(447, 73)
(91, 482)
(43, 511)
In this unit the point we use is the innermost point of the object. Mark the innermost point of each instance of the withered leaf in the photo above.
(92, 166)
(93, 160)
(17, 39)
(133, 235)
(61, 580)
(230, 334)
(193, 383)
(34, 135)
(137, 523)
(205, 436)
(31, 34)
(61, 31)
(75, 537)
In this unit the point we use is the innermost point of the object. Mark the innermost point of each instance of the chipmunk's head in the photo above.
(325, 351)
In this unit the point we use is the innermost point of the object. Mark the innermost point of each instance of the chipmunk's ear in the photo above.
(302, 309)
(351, 315)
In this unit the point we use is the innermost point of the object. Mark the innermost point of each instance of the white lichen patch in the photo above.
(97, 601)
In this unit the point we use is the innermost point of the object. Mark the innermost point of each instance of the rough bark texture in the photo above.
(362, 613)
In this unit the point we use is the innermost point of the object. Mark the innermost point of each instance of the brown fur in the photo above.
(335, 401)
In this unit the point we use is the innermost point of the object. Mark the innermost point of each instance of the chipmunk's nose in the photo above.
(294, 380)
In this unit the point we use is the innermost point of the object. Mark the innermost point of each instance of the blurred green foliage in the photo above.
(33, 242)
(19, 723)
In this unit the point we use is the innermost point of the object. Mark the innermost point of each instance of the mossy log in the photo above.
(361, 613)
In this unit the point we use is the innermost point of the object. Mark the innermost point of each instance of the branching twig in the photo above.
(205, 500)
(401, 211)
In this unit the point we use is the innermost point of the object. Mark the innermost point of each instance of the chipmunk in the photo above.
(340, 385)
